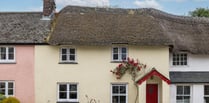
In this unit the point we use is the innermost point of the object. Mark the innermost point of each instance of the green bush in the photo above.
(2, 97)
(10, 100)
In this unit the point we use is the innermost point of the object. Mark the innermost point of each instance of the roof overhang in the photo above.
(151, 73)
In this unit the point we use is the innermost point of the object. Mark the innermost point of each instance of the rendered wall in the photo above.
(195, 63)
(92, 73)
(22, 73)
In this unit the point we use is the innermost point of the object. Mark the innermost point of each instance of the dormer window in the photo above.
(119, 53)
(180, 59)
(7, 54)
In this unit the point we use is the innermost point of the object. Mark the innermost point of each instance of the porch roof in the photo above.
(152, 72)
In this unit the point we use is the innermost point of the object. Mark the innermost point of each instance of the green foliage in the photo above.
(10, 100)
(200, 12)
(2, 97)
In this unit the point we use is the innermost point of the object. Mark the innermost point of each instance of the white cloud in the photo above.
(148, 4)
(98, 3)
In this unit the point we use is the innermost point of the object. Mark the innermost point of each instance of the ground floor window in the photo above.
(119, 93)
(206, 94)
(183, 94)
(67, 92)
(7, 88)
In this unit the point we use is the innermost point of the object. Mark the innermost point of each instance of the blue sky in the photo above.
(178, 7)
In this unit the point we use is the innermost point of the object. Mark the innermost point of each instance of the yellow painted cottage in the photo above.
(87, 43)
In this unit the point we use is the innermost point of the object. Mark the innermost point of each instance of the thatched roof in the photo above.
(102, 26)
(147, 27)
(23, 28)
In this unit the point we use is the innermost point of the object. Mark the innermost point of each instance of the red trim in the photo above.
(154, 73)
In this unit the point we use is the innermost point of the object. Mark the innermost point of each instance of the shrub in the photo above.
(11, 100)
(2, 97)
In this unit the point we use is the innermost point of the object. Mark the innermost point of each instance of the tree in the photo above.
(200, 12)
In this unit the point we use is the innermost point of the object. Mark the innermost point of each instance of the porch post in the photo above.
(142, 92)
(165, 92)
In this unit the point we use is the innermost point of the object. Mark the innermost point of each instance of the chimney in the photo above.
(49, 7)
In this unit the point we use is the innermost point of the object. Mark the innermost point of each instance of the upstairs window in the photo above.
(67, 92)
(7, 88)
(119, 53)
(180, 59)
(7, 54)
(206, 94)
(68, 55)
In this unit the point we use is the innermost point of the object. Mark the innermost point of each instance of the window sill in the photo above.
(116, 61)
(7, 62)
(68, 62)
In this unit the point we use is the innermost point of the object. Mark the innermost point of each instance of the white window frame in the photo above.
(119, 84)
(119, 53)
(68, 53)
(68, 91)
(190, 95)
(7, 60)
(7, 88)
(187, 60)
(204, 93)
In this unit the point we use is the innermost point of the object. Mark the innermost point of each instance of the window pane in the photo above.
(73, 95)
(63, 87)
(72, 57)
(11, 50)
(64, 57)
(179, 89)
(2, 91)
(115, 89)
(186, 99)
(123, 56)
(63, 95)
(115, 99)
(122, 89)
(115, 56)
(122, 99)
(123, 50)
(72, 51)
(2, 85)
(73, 87)
(206, 89)
(115, 50)
(10, 92)
(3, 56)
(64, 51)
(10, 85)
(11, 56)
(187, 90)
(206, 100)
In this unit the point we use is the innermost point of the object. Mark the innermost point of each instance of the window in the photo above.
(119, 53)
(7, 88)
(67, 92)
(183, 94)
(180, 59)
(119, 93)
(68, 54)
(7, 54)
(206, 94)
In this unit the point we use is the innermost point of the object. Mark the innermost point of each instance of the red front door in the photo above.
(152, 93)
